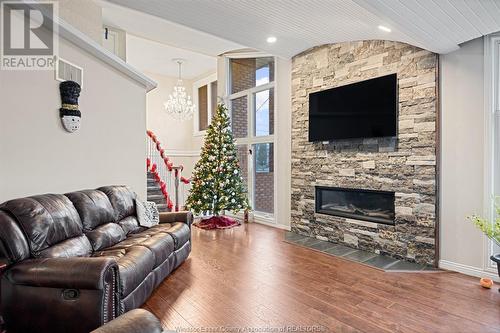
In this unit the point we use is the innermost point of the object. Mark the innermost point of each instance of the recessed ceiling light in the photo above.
(381, 27)
(271, 39)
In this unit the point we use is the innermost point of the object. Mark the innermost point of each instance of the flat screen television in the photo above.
(365, 109)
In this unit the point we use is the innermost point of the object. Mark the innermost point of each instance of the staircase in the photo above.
(154, 194)
(165, 184)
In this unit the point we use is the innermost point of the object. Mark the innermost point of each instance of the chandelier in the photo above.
(179, 104)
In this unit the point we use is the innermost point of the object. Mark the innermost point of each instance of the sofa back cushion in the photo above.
(130, 225)
(45, 220)
(105, 235)
(122, 199)
(78, 246)
(13, 243)
(93, 206)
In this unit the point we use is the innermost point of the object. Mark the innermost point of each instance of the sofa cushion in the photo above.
(73, 247)
(122, 199)
(93, 206)
(105, 236)
(179, 231)
(134, 265)
(130, 225)
(160, 244)
(45, 219)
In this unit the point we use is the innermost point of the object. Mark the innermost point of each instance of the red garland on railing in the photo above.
(153, 168)
(158, 180)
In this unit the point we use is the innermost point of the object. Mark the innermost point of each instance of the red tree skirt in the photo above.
(217, 222)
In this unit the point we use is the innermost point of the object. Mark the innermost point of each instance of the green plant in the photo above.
(490, 229)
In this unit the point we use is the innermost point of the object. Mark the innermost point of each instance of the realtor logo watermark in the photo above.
(28, 35)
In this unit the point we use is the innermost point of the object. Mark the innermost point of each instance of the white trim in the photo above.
(491, 112)
(274, 225)
(251, 138)
(253, 90)
(467, 270)
(79, 39)
(182, 153)
(197, 84)
(249, 54)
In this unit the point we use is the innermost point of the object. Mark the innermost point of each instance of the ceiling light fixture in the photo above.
(179, 104)
(381, 27)
(271, 39)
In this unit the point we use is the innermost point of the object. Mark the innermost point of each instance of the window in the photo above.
(251, 103)
(248, 73)
(203, 108)
(205, 98)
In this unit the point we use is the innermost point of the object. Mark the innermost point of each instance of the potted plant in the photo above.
(491, 230)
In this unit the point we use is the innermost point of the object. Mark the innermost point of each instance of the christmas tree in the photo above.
(217, 183)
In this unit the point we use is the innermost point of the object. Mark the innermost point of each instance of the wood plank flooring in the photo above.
(249, 278)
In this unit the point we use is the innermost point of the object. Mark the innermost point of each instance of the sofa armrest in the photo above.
(76, 272)
(170, 217)
(135, 321)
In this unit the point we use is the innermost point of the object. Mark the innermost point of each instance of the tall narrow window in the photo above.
(205, 98)
(203, 107)
(251, 101)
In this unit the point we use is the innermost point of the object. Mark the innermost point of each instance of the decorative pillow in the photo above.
(147, 213)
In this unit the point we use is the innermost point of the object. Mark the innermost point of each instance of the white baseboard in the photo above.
(274, 225)
(467, 270)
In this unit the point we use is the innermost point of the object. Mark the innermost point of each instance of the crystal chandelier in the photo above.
(179, 104)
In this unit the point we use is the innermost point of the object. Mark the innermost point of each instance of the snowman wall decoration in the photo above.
(69, 113)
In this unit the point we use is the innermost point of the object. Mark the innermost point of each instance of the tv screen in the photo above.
(365, 109)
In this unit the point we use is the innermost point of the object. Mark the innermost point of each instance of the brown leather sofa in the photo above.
(76, 261)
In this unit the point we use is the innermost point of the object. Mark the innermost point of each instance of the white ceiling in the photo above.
(153, 57)
(163, 31)
(437, 25)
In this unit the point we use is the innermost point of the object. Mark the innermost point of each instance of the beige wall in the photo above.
(85, 15)
(462, 155)
(39, 156)
(174, 135)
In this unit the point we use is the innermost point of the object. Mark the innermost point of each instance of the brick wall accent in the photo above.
(405, 165)
(264, 187)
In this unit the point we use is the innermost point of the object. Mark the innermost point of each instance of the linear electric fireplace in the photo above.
(367, 205)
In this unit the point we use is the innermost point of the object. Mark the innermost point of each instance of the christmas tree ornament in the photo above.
(69, 113)
(217, 185)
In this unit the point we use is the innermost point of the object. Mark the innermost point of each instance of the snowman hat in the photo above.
(70, 91)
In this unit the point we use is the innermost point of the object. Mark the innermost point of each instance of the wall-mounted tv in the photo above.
(365, 109)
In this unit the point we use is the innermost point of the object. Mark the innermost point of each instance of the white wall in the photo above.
(462, 158)
(176, 136)
(85, 15)
(39, 156)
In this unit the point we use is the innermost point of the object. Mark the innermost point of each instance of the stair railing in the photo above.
(167, 175)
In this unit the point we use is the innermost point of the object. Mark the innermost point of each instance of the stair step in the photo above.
(158, 199)
(162, 208)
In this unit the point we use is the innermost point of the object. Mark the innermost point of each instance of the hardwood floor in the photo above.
(247, 277)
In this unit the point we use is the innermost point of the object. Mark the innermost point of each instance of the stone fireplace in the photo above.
(401, 221)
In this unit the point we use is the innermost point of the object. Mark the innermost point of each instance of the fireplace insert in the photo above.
(367, 205)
